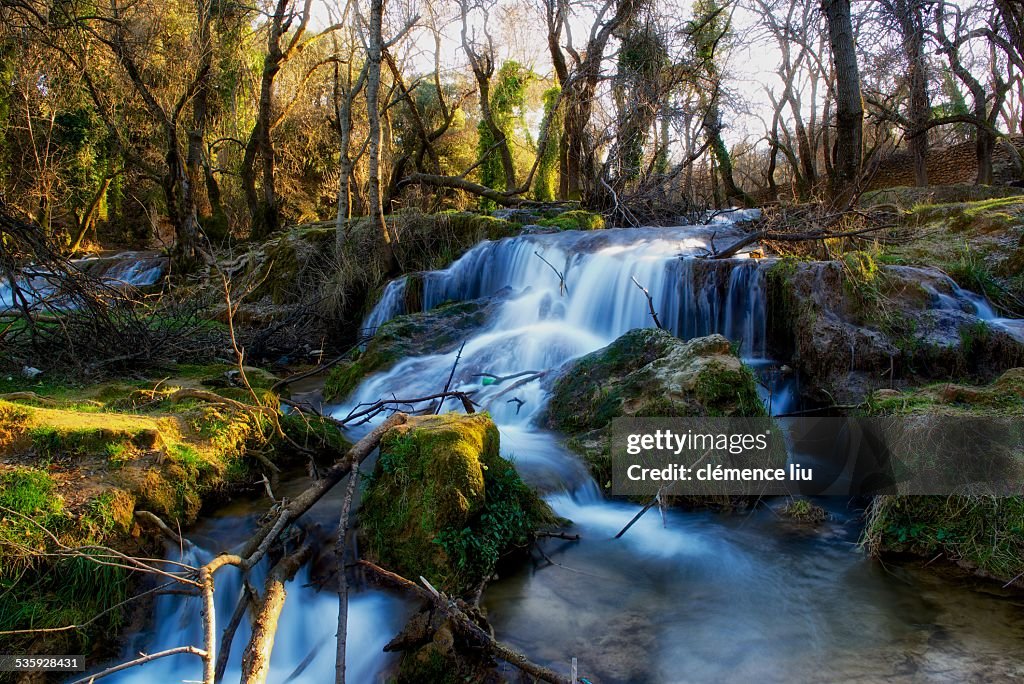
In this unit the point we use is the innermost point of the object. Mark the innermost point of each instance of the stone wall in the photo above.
(956, 164)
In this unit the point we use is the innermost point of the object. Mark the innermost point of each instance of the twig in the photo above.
(339, 551)
(647, 506)
(448, 384)
(563, 289)
(650, 303)
(465, 626)
(141, 661)
(247, 599)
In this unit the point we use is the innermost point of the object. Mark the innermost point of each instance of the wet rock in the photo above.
(437, 331)
(851, 328)
(647, 372)
(521, 216)
(443, 504)
(534, 229)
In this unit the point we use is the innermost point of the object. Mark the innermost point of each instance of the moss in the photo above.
(647, 373)
(95, 454)
(982, 533)
(1003, 397)
(804, 511)
(577, 219)
(972, 242)
(648, 370)
(437, 331)
(304, 259)
(442, 502)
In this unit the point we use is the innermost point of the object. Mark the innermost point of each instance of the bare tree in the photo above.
(849, 109)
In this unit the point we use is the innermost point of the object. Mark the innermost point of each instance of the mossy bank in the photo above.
(983, 534)
(78, 462)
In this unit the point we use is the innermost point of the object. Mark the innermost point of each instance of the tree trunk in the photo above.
(713, 130)
(849, 109)
(374, 58)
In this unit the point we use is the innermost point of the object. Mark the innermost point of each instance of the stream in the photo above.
(687, 597)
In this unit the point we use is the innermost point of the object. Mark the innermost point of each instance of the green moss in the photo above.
(93, 468)
(973, 243)
(804, 510)
(647, 370)
(1003, 397)
(577, 219)
(442, 502)
(982, 533)
(728, 390)
(437, 331)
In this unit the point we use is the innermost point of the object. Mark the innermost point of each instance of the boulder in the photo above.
(854, 326)
(443, 504)
(437, 331)
(647, 373)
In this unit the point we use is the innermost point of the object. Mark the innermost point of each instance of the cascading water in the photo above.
(690, 597)
(684, 597)
(304, 645)
(127, 269)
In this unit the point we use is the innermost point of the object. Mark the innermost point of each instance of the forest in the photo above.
(319, 319)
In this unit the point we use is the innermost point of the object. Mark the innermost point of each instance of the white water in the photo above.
(543, 322)
(304, 645)
(127, 269)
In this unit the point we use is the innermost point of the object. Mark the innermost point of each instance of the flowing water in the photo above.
(684, 597)
(124, 269)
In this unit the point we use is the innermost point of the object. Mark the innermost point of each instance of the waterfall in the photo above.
(391, 304)
(693, 297)
(304, 644)
(564, 295)
(127, 269)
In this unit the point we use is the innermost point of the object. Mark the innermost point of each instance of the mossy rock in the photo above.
(983, 534)
(647, 373)
(577, 219)
(437, 331)
(852, 325)
(443, 504)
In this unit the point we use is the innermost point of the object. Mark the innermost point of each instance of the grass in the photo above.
(981, 533)
(85, 472)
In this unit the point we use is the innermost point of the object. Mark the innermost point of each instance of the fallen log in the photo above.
(256, 659)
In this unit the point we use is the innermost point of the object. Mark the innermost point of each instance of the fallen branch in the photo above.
(146, 516)
(650, 302)
(647, 506)
(758, 236)
(253, 550)
(563, 289)
(141, 661)
(248, 598)
(451, 376)
(339, 551)
(256, 659)
(465, 626)
(379, 406)
(498, 379)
